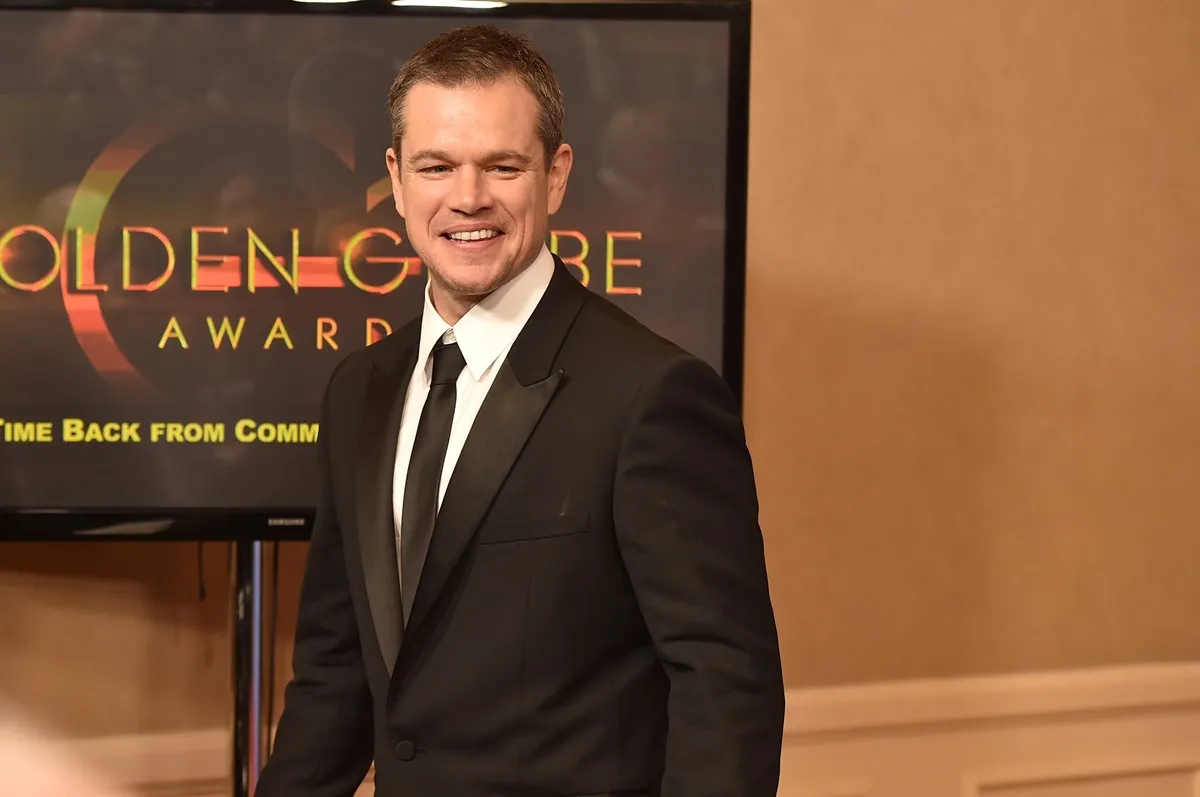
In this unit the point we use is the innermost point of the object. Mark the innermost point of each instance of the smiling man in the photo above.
(537, 567)
(475, 183)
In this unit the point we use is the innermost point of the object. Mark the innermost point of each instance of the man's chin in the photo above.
(471, 280)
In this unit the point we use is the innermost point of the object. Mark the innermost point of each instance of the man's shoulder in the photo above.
(385, 355)
(631, 366)
(624, 342)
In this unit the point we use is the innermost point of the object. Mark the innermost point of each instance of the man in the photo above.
(537, 567)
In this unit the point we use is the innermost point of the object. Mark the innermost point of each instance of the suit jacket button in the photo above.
(406, 751)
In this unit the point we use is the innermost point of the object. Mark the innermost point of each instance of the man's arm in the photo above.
(324, 742)
(686, 516)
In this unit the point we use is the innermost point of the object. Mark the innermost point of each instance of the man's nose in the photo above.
(470, 193)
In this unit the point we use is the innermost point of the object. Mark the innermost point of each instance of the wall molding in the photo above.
(1094, 773)
(175, 762)
(1022, 735)
(1116, 732)
(873, 708)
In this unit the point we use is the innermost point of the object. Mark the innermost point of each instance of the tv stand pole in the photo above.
(248, 729)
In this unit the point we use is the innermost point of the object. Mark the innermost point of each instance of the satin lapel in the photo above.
(382, 407)
(505, 420)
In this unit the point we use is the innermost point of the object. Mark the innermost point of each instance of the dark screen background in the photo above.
(646, 114)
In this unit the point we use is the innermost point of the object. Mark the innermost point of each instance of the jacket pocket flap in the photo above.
(533, 528)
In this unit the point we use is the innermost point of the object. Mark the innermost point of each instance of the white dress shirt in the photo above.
(484, 335)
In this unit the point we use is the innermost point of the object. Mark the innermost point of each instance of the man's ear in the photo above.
(393, 167)
(560, 170)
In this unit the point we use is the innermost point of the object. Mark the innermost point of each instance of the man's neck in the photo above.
(452, 308)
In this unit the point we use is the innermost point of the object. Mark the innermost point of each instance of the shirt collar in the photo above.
(491, 325)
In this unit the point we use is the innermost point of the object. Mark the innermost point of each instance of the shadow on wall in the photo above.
(109, 638)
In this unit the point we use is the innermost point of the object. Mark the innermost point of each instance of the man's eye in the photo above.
(435, 169)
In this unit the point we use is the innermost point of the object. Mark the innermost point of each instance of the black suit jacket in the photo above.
(593, 614)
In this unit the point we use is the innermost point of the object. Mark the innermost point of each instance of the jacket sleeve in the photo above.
(686, 518)
(324, 741)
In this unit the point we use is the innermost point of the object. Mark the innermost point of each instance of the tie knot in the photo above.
(448, 362)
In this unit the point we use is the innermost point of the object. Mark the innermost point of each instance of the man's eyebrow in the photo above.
(508, 155)
(499, 156)
(428, 155)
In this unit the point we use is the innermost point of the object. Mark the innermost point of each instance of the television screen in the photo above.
(196, 227)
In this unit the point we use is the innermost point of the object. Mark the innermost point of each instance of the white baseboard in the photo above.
(1116, 732)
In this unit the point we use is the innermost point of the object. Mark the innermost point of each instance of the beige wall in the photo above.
(971, 381)
(973, 335)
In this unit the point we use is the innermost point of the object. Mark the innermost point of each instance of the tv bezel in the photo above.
(283, 524)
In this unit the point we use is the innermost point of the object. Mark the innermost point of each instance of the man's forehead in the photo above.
(445, 118)
(482, 111)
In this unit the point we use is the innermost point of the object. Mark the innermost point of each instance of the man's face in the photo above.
(472, 184)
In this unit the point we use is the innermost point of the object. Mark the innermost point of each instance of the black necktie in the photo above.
(425, 469)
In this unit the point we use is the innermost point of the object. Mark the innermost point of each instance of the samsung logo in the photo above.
(286, 521)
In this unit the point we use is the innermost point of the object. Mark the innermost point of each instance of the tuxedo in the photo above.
(592, 615)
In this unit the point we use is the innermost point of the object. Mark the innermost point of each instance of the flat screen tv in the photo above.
(196, 227)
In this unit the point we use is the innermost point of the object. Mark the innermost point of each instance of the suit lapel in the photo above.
(505, 420)
(382, 407)
(523, 388)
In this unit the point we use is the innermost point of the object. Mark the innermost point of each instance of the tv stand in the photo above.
(250, 728)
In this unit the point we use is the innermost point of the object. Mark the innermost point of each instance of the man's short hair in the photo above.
(481, 55)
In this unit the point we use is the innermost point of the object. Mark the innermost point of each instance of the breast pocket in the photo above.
(526, 529)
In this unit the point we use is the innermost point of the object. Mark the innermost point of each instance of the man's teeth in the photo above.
(474, 235)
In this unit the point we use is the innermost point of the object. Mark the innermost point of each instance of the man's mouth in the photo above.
(468, 236)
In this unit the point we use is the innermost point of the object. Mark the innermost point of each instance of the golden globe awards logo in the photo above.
(35, 259)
